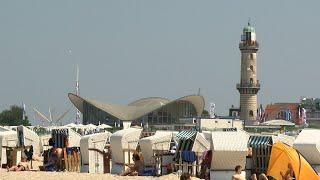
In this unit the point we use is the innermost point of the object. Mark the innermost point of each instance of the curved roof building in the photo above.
(154, 110)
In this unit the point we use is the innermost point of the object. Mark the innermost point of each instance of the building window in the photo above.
(250, 113)
(251, 56)
(251, 80)
(251, 68)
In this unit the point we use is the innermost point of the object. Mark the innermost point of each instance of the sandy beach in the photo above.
(34, 175)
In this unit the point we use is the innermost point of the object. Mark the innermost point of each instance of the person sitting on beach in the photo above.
(56, 153)
(289, 175)
(136, 169)
(237, 175)
(52, 161)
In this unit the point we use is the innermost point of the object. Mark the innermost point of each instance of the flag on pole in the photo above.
(211, 110)
(304, 116)
(289, 115)
(260, 113)
(24, 114)
(299, 111)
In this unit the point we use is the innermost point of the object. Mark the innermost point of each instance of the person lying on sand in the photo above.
(135, 169)
(22, 166)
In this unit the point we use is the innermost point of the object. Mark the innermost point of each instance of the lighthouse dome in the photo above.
(248, 28)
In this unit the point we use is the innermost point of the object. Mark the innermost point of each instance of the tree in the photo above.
(13, 117)
(205, 114)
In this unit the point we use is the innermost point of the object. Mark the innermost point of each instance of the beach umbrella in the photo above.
(104, 126)
(81, 126)
(71, 125)
(136, 126)
(90, 126)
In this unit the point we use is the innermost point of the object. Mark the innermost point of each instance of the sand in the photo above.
(42, 175)
(33, 175)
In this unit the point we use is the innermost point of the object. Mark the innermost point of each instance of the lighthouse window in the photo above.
(251, 68)
(250, 113)
(248, 36)
(251, 56)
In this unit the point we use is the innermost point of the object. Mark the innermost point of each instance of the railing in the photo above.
(248, 85)
(249, 45)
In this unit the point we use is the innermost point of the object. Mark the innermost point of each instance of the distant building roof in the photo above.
(136, 109)
(272, 111)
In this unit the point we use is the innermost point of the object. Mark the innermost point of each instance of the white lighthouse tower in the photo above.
(249, 85)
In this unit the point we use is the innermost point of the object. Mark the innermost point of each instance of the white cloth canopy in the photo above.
(104, 126)
(71, 125)
(81, 126)
(90, 126)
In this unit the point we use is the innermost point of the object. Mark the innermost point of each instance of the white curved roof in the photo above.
(137, 108)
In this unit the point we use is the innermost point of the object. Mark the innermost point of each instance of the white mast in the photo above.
(77, 93)
(50, 115)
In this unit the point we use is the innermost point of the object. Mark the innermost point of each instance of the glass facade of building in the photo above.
(170, 114)
(166, 115)
(95, 115)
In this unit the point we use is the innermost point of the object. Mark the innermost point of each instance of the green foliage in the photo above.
(41, 130)
(205, 114)
(314, 125)
(13, 117)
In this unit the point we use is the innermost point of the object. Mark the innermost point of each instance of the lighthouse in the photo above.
(249, 85)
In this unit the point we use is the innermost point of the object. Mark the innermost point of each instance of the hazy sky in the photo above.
(130, 49)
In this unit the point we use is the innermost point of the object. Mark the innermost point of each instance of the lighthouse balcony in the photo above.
(249, 45)
(248, 85)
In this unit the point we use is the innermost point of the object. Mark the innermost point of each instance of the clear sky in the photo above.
(131, 49)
